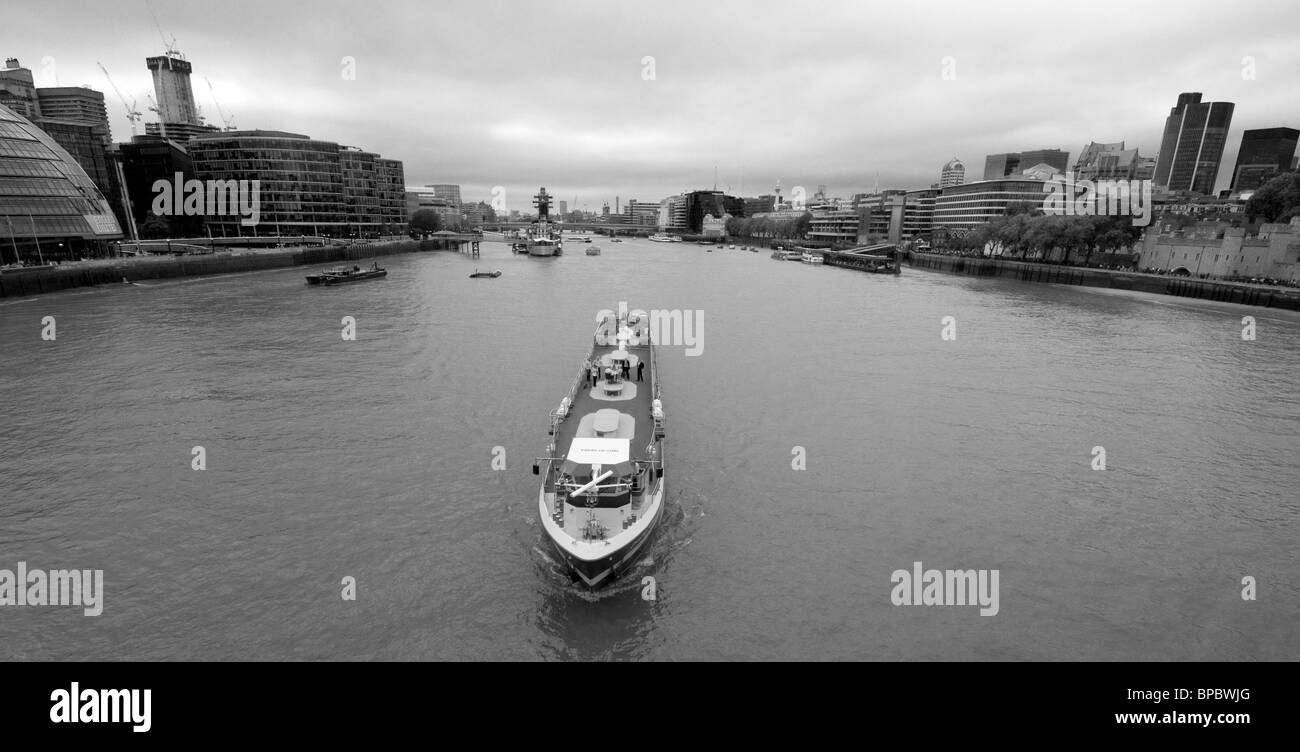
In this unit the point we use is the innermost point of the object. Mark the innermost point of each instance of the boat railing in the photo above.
(655, 389)
(572, 394)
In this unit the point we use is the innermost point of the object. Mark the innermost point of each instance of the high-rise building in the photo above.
(80, 104)
(998, 166)
(564, 209)
(1192, 145)
(1263, 152)
(954, 173)
(178, 116)
(171, 87)
(49, 207)
(18, 89)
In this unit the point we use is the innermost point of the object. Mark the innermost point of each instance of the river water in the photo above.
(374, 459)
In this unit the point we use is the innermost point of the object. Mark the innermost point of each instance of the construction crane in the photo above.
(131, 114)
(169, 47)
(228, 122)
(153, 106)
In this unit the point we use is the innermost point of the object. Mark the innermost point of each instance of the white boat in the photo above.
(602, 489)
(661, 238)
(811, 258)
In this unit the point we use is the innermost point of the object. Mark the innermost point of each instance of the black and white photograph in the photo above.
(491, 331)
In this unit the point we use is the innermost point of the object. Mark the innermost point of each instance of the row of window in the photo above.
(34, 187)
(43, 226)
(32, 149)
(21, 205)
(37, 168)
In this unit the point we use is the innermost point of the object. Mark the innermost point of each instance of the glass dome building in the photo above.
(49, 208)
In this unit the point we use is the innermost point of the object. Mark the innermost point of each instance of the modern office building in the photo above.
(759, 205)
(306, 186)
(963, 207)
(1013, 163)
(717, 203)
(422, 198)
(391, 177)
(74, 116)
(1263, 153)
(836, 225)
(918, 213)
(447, 191)
(1192, 145)
(641, 213)
(145, 160)
(672, 213)
(49, 207)
(954, 173)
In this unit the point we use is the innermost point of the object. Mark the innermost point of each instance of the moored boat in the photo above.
(602, 489)
(479, 275)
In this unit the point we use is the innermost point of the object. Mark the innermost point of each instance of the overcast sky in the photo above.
(522, 94)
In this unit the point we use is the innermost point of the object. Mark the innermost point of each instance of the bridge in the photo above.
(600, 227)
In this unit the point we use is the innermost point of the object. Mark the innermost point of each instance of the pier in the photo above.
(882, 258)
(465, 242)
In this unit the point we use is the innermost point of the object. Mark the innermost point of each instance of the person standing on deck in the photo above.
(640, 370)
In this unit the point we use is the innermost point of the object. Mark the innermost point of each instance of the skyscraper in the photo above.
(1192, 146)
(954, 173)
(1263, 151)
(171, 86)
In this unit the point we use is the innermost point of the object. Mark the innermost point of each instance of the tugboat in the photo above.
(602, 490)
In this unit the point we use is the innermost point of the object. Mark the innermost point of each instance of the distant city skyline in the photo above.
(524, 96)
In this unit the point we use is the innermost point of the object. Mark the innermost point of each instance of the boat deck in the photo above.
(635, 402)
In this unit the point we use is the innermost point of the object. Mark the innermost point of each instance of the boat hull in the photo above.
(355, 277)
(608, 567)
